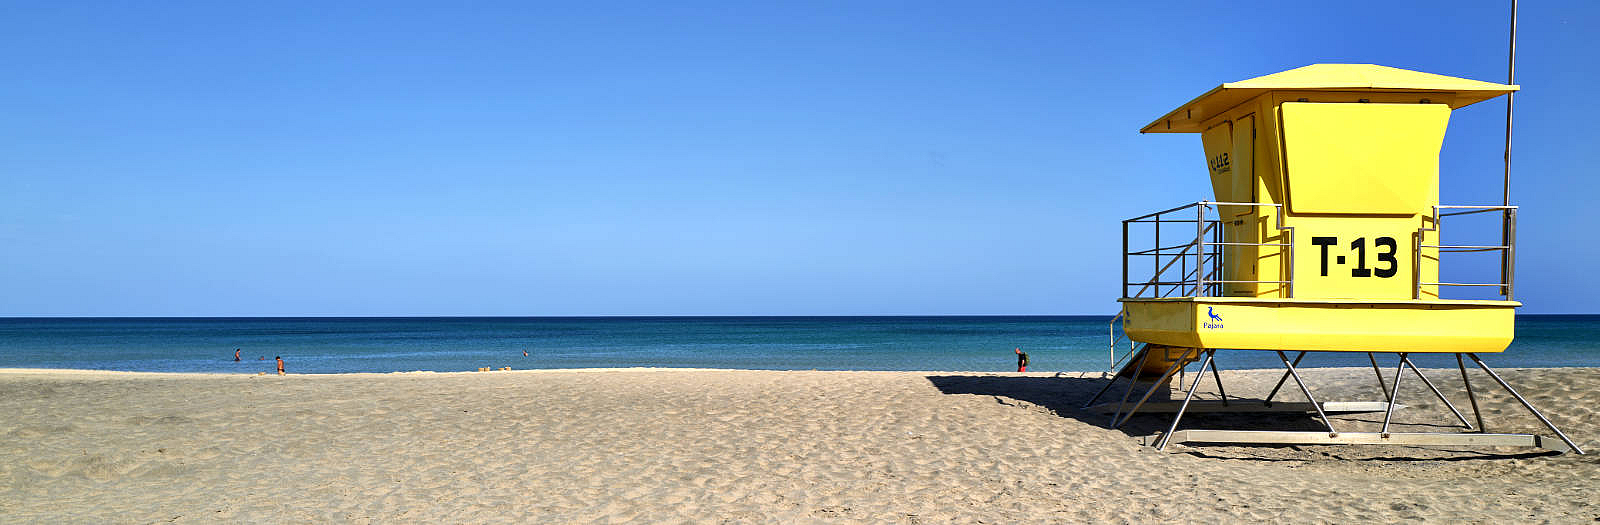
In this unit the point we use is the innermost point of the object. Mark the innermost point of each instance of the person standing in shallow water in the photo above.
(280, 364)
(1022, 360)
(236, 354)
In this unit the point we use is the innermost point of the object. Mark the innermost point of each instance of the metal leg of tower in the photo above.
(1186, 397)
(1133, 380)
(1218, 377)
(1113, 381)
(1158, 384)
(1307, 392)
(1470, 397)
(1381, 387)
(1436, 392)
(1399, 371)
(1285, 377)
(1525, 403)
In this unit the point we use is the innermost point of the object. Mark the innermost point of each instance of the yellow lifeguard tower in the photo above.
(1323, 236)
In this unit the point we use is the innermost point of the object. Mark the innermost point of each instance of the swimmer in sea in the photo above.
(280, 365)
(236, 354)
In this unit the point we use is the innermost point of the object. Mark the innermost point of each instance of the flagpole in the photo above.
(1511, 78)
(1506, 217)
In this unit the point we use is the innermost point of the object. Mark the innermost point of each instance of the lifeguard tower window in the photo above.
(1363, 159)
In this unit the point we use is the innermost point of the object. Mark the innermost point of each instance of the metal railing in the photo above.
(1206, 251)
(1508, 250)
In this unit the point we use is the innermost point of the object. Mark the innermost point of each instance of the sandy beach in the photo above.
(708, 446)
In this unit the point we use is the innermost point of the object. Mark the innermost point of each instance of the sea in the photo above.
(326, 345)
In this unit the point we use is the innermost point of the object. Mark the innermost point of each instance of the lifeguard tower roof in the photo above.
(1324, 77)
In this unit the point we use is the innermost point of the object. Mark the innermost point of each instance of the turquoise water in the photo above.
(333, 345)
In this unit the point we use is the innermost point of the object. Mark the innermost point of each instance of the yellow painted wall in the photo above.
(1322, 325)
(1235, 136)
(1365, 166)
(1360, 179)
(1363, 159)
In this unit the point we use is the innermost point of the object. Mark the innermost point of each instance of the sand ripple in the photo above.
(695, 446)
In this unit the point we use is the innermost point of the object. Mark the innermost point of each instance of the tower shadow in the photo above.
(1064, 395)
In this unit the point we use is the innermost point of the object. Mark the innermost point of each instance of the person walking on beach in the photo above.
(280, 364)
(1022, 360)
(236, 355)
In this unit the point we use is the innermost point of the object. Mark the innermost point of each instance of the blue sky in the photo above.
(733, 158)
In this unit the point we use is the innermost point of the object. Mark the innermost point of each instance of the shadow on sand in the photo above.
(1065, 394)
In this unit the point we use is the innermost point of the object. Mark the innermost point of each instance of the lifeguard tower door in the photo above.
(1230, 158)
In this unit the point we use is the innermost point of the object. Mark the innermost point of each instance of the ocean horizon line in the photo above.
(569, 317)
(580, 317)
(384, 344)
